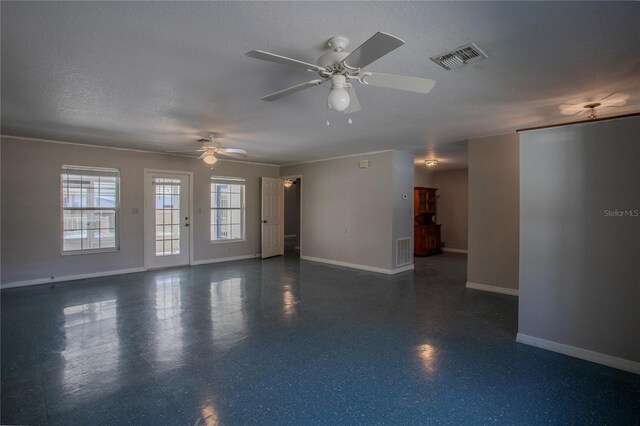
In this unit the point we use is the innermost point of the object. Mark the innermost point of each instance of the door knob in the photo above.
(264, 221)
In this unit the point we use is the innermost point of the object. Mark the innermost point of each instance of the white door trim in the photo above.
(190, 207)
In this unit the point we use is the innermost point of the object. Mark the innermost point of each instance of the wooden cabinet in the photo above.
(426, 235)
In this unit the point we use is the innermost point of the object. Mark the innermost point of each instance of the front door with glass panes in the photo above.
(167, 219)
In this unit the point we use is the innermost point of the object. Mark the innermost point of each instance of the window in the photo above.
(90, 203)
(227, 209)
(167, 193)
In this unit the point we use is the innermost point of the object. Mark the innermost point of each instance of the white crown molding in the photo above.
(186, 156)
(336, 158)
(248, 162)
(494, 289)
(117, 148)
(597, 357)
(358, 266)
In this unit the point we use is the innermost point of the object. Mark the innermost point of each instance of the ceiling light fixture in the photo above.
(592, 113)
(431, 163)
(210, 158)
(338, 96)
(288, 183)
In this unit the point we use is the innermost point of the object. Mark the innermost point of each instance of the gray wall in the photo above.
(579, 269)
(31, 207)
(453, 211)
(493, 211)
(402, 177)
(422, 175)
(348, 213)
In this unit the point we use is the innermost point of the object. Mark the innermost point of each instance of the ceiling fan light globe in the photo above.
(338, 99)
(210, 159)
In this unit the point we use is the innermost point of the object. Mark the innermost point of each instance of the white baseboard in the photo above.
(484, 287)
(454, 250)
(358, 266)
(597, 357)
(225, 259)
(38, 281)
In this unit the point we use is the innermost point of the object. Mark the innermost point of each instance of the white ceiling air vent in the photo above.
(463, 55)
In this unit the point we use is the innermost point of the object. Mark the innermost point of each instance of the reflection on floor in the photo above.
(290, 247)
(284, 341)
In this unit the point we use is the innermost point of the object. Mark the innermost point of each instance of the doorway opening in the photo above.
(292, 190)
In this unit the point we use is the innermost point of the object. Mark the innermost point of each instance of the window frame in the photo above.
(228, 180)
(107, 171)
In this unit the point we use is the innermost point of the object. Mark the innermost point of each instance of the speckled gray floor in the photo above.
(282, 341)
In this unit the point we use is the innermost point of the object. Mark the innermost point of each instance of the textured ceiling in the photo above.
(155, 76)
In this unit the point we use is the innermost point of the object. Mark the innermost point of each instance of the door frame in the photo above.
(301, 216)
(144, 211)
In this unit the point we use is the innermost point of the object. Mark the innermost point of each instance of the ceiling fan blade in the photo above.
(570, 109)
(272, 57)
(354, 104)
(292, 90)
(186, 150)
(615, 100)
(231, 155)
(400, 82)
(371, 50)
(233, 151)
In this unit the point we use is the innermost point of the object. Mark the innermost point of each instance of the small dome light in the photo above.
(210, 158)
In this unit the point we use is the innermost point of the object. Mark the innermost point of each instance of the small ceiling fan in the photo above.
(210, 148)
(612, 100)
(340, 67)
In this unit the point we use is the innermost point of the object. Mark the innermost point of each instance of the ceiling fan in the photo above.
(612, 100)
(210, 148)
(341, 67)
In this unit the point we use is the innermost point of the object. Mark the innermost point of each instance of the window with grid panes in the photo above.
(90, 204)
(167, 201)
(227, 209)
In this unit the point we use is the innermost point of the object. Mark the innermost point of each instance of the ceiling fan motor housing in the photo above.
(332, 59)
(338, 43)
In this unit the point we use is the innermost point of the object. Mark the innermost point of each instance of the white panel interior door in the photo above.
(167, 219)
(272, 217)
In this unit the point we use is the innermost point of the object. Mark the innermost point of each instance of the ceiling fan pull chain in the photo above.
(328, 124)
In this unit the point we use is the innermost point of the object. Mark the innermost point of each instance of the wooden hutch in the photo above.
(426, 234)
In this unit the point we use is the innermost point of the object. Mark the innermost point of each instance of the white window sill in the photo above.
(228, 241)
(95, 251)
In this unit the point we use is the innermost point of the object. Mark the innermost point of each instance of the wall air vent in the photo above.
(463, 55)
(404, 256)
